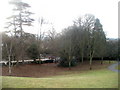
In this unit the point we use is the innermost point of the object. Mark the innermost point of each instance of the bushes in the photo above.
(36, 62)
(42, 62)
(33, 52)
(65, 63)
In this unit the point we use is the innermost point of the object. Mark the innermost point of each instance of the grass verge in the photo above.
(102, 78)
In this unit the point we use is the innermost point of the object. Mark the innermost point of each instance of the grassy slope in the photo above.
(103, 78)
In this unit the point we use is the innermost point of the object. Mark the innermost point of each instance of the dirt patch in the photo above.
(49, 69)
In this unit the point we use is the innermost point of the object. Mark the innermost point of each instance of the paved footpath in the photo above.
(112, 67)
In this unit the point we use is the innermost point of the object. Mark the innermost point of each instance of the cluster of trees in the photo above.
(19, 45)
(84, 40)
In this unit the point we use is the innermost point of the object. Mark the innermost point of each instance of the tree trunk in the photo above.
(69, 65)
(39, 59)
(9, 65)
(102, 60)
(82, 58)
(109, 61)
(17, 62)
(34, 60)
(22, 51)
(90, 63)
(69, 62)
(91, 56)
(55, 61)
(22, 60)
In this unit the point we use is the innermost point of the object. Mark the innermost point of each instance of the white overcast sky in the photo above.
(62, 13)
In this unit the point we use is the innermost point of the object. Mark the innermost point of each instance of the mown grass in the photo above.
(117, 67)
(103, 78)
(107, 61)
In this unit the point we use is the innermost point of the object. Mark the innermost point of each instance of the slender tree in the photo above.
(89, 24)
(81, 38)
(8, 47)
(40, 35)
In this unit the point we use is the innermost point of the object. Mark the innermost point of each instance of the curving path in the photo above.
(112, 67)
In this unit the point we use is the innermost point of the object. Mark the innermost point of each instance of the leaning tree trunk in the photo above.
(91, 56)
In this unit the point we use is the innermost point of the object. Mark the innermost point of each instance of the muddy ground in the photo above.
(49, 69)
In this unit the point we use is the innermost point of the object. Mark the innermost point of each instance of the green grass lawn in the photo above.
(103, 78)
(117, 67)
(107, 61)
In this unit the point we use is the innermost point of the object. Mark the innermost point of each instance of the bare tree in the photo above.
(8, 46)
(40, 35)
(81, 38)
(89, 24)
